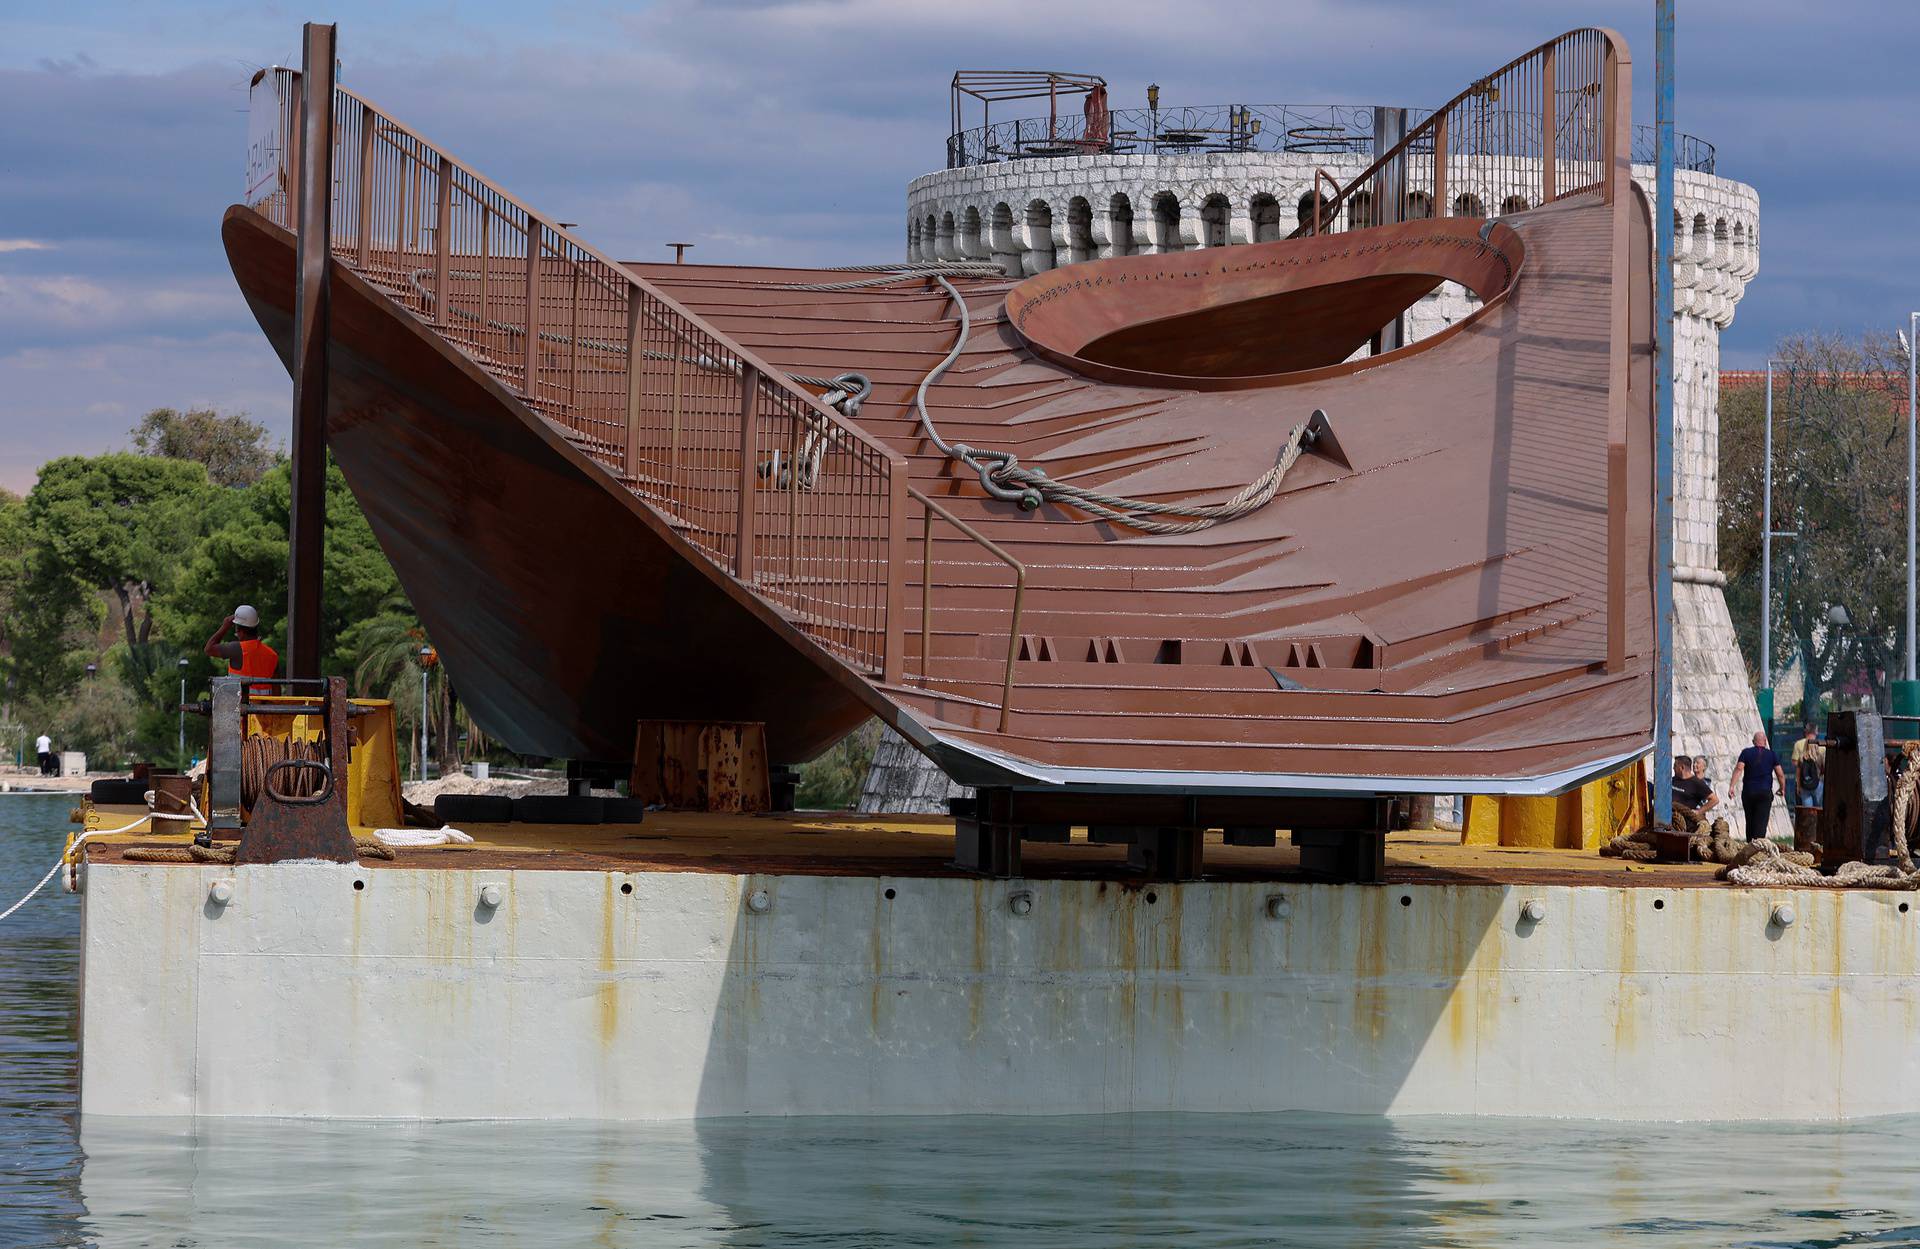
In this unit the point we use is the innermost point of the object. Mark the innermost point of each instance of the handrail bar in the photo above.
(768, 372)
(933, 509)
(1318, 175)
(1437, 121)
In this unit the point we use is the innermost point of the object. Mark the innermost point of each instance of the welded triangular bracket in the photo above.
(1321, 441)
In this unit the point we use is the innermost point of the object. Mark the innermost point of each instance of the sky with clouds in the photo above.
(774, 130)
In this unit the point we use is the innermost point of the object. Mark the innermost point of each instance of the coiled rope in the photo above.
(1003, 477)
(1899, 874)
(1762, 863)
(1903, 794)
(1773, 866)
(260, 752)
(366, 847)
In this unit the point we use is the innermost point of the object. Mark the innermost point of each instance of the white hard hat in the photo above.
(246, 617)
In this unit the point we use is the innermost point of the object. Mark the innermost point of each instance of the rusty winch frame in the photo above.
(281, 824)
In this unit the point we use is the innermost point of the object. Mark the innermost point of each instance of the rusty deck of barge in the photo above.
(838, 844)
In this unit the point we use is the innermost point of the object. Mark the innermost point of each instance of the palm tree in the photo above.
(387, 665)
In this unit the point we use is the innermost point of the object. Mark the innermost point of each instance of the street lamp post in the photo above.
(1913, 348)
(182, 749)
(1906, 693)
(426, 662)
(1767, 534)
(1766, 568)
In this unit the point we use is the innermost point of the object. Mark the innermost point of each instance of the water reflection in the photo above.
(39, 961)
(1203, 1182)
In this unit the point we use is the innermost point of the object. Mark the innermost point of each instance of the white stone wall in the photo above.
(1034, 215)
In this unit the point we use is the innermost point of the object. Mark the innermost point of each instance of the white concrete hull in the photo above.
(408, 999)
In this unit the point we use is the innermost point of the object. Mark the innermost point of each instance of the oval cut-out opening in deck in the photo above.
(1265, 314)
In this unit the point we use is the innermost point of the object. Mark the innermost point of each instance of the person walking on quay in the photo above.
(1757, 775)
(1809, 770)
(43, 746)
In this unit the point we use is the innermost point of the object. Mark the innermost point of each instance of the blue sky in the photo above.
(770, 130)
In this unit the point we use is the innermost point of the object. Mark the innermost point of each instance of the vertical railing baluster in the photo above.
(635, 383)
(532, 318)
(573, 343)
(443, 245)
(364, 218)
(1549, 180)
(743, 533)
(893, 641)
(678, 347)
(926, 594)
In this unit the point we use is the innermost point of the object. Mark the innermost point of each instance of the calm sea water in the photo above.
(1201, 1182)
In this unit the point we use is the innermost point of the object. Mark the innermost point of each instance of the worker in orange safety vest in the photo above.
(247, 656)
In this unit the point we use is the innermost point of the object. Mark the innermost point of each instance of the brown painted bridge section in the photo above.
(577, 467)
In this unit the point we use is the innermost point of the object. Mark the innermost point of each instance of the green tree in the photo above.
(13, 569)
(232, 448)
(832, 782)
(387, 646)
(243, 559)
(1839, 480)
(101, 718)
(119, 523)
(113, 525)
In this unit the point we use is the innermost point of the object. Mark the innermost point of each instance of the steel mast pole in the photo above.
(1766, 563)
(1663, 418)
(312, 302)
(1913, 348)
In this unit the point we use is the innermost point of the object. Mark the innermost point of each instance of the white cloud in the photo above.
(70, 301)
(24, 245)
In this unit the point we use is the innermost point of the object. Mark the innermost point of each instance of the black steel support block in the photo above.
(783, 782)
(987, 848)
(985, 838)
(1852, 820)
(1249, 835)
(1168, 853)
(1057, 834)
(1118, 834)
(1346, 856)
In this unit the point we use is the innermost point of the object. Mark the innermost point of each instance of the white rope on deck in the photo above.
(422, 836)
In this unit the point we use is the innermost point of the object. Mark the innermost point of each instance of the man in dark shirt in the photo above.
(1696, 791)
(1689, 795)
(1757, 774)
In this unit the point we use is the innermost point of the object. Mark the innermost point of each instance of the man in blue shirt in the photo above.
(1757, 774)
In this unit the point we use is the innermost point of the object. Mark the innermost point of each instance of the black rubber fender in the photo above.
(458, 809)
(118, 791)
(558, 809)
(624, 810)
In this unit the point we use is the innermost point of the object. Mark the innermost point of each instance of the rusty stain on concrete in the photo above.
(1626, 906)
(877, 957)
(607, 997)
